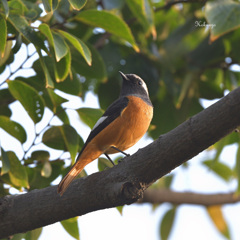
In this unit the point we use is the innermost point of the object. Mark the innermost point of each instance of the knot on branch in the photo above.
(132, 191)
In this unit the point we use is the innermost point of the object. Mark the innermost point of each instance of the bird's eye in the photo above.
(140, 83)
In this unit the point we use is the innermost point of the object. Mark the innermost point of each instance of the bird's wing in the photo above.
(112, 112)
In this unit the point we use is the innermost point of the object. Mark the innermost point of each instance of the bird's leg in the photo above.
(120, 151)
(109, 159)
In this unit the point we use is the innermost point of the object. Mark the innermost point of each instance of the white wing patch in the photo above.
(99, 121)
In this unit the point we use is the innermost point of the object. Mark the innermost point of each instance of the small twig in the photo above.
(20, 67)
(33, 143)
(40, 132)
(9, 38)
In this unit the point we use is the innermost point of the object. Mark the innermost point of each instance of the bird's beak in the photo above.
(124, 77)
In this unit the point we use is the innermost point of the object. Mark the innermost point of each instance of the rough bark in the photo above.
(126, 182)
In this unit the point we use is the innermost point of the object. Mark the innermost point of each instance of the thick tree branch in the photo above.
(158, 196)
(126, 182)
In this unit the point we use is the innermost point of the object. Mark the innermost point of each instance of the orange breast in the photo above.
(127, 129)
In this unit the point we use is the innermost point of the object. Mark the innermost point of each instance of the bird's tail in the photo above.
(75, 170)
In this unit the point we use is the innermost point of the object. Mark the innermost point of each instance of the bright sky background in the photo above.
(138, 221)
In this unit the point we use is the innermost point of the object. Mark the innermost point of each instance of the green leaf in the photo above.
(5, 7)
(29, 98)
(18, 174)
(63, 67)
(4, 110)
(6, 97)
(3, 35)
(224, 15)
(143, 12)
(79, 45)
(221, 169)
(5, 162)
(62, 115)
(53, 138)
(40, 155)
(210, 90)
(103, 163)
(45, 29)
(167, 223)
(109, 22)
(61, 48)
(71, 139)
(48, 78)
(46, 170)
(170, 121)
(4, 56)
(77, 4)
(33, 11)
(187, 81)
(108, 88)
(97, 70)
(47, 5)
(219, 146)
(71, 85)
(5, 100)
(120, 209)
(71, 226)
(21, 24)
(53, 100)
(19, 236)
(90, 115)
(37, 181)
(13, 128)
(206, 54)
(36, 81)
(34, 234)
(62, 53)
(62, 137)
(168, 181)
(17, 7)
(18, 43)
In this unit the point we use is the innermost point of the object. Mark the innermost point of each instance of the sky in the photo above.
(138, 221)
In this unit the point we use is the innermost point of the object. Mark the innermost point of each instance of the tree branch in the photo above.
(158, 196)
(126, 182)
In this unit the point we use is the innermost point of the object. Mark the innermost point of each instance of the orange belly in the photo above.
(125, 130)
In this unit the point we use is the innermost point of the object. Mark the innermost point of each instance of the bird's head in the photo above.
(133, 85)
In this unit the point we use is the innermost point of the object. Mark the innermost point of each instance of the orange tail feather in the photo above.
(75, 170)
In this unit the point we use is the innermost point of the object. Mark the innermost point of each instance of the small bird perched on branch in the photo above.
(122, 125)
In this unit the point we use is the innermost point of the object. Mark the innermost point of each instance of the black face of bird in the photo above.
(133, 85)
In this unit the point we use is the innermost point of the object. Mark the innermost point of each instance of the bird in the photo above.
(122, 125)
